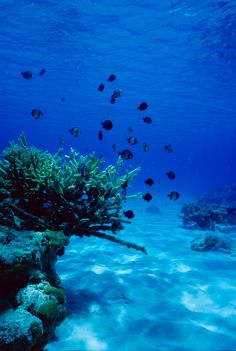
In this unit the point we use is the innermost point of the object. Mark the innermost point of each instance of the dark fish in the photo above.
(107, 124)
(174, 195)
(147, 197)
(128, 214)
(113, 147)
(61, 141)
(112, 100)
(42, 71)
(100, 135)
(168, 148)
(126, 154)
(36, 113)
(147, 120)
(27, 74)
(129, 129)
(111, 78)
(63, 99)
(75, 131)
(143, 106)
(145, 147)
(125, 184)
(170, 175)
(149, 181)
(101, 87)
(82, 169)
(117, 93)
(132, 140)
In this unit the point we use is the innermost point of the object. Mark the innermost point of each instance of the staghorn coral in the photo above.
(40, 191)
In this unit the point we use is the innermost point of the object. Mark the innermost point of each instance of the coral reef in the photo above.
(44, 199)
(213, 212)
(218, 208)
(32, 302)
(203, 216)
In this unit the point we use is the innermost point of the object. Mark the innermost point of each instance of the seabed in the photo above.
(173, 299)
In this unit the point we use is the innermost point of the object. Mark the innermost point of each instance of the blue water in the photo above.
(177, 55)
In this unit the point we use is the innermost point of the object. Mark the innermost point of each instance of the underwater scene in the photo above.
(118, 175)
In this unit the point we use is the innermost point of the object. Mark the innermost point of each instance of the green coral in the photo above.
(35, 330)
(72, 193)
(26, 171)
(58, 293)
(47, 312)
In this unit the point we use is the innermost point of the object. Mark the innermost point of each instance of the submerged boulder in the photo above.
(153, 209)
(214, 242)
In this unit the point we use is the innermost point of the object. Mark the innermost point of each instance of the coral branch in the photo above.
(25, 214)
(128, 244)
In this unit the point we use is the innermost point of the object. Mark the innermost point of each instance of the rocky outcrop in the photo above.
(32, 302)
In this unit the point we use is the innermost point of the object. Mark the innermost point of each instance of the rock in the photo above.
(153, 209)
(32, 302)
(214, 242)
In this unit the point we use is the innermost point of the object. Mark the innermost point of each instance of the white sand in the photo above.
(174, 299)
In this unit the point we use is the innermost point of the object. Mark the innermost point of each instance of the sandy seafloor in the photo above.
(172, 299)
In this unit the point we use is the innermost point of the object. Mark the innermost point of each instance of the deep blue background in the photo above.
(179, 56)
